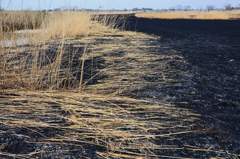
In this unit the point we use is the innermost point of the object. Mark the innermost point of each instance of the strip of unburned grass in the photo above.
(34, 67)
(210, 15)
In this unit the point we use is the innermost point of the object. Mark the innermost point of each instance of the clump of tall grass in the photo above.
(38, 68)
(77, 24)
(67, 24)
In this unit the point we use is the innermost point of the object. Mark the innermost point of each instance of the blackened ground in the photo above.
(211, 49)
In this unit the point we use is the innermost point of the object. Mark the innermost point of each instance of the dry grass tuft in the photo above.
(78, 24)
(191, 15)
(68, 24)
(40, 66)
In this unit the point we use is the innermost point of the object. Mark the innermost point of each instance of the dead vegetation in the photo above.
(19, 20)
(211, 15)
(16, 59)
(119, 127)
(65, 92)
(101, 121)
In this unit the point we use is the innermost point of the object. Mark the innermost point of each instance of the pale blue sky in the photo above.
(110, 4)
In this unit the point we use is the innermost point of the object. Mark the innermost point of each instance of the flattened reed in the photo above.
(102, 126)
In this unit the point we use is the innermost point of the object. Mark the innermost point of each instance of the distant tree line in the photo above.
(143, 9)
(227, 7)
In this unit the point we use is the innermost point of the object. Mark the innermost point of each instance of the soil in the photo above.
(171, 93)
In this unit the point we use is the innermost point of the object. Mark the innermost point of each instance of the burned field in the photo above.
(174, 94)
(211, 49)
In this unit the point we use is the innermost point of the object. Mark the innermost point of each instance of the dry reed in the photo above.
(41, 67)
(68, 24)
(211, 15)
(19, 20)
(121, 126)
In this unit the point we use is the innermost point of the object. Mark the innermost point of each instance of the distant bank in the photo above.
(207, 15)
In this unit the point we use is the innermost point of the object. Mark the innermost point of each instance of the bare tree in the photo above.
(135, 9)
(125, 9)
(69, 8)
(186, 8)
(209, 7)
(178, 7)
(172, 8)
(74, 8)
(228, 7)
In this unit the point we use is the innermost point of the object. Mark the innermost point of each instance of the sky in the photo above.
(113, 4)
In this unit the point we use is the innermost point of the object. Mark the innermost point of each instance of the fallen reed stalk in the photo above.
(102, 125)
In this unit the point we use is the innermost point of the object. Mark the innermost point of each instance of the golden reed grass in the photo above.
(211, 15)
(32, 68)
(67, 24)
(19, 20)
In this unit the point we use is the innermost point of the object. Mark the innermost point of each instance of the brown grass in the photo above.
(110, 123)
(19, 20)
(36, 68)
(211, 15)
(71, 24)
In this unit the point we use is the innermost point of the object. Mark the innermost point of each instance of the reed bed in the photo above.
(36, 66)
(211, 15)
(73, 24)
(20, 20)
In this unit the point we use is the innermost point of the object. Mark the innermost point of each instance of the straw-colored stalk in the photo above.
(82, 70)
(35, 67)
